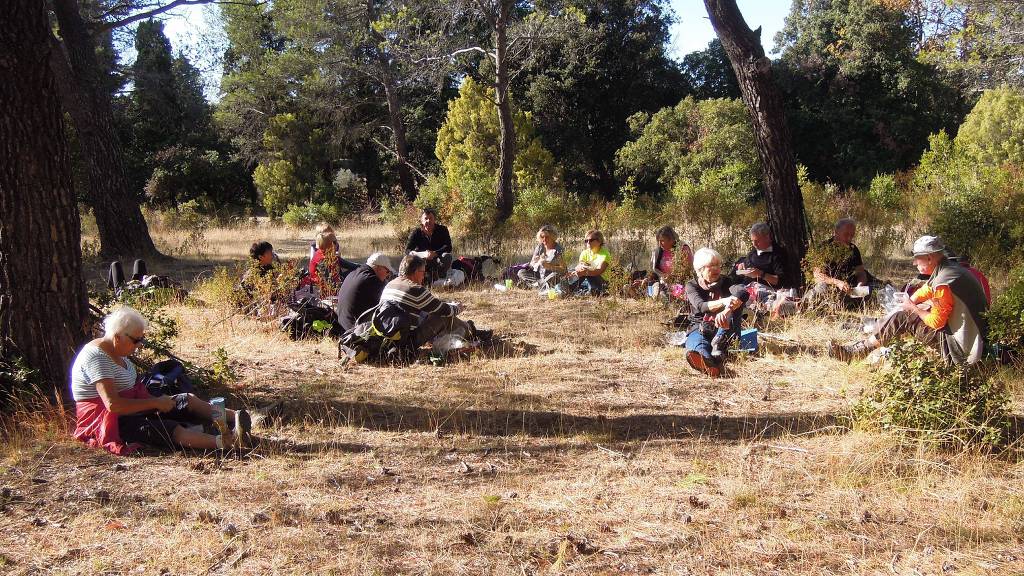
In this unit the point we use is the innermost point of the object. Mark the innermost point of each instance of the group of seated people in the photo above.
(944, 309)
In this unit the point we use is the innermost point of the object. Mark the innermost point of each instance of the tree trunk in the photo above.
(774, 144)
(504, 194)
(122, 228)
(405, 178)
(43, 304)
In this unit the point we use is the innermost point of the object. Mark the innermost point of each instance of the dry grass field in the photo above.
(577, 443)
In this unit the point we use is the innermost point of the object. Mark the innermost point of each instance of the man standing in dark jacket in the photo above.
(362, 288)
(431, 242)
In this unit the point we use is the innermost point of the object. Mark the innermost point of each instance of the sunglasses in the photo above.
(135, 341)
(588, 240)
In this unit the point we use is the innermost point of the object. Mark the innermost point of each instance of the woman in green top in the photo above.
(591, 273)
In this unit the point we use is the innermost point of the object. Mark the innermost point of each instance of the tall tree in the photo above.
(859, 100)
(584, 84)
(771, 133)
(43, 305)
(122, 228)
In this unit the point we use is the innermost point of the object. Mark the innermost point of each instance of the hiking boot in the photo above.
(847, 352)
(243, 427)
(720, 344)
(702, 364)
(481, 335)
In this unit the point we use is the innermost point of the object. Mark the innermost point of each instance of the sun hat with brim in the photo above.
(928, 245)
(378, 259)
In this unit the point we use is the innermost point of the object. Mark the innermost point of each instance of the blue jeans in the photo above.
(699, 341)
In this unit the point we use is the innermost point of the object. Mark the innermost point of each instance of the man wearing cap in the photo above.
(946, 312)
(362, 288)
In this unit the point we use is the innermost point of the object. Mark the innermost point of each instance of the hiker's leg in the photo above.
(115, 278)
(189, 438)
(138, 269)
(444, 263)
(430, 326)
(529, 276)
(902, 323)
(696, 342)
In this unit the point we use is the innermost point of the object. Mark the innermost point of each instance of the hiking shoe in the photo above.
(702, 364)
(243, 427)
(847, 352)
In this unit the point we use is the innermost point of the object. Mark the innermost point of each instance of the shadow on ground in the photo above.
(502, 422)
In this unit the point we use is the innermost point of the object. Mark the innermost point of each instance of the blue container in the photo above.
(748, 340)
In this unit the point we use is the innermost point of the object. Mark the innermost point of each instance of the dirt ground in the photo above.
(577, 443)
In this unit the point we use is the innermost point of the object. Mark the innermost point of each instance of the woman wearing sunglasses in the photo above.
(115, 411)
(591, 273)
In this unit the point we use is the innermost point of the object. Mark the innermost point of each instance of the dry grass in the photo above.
(577, 445)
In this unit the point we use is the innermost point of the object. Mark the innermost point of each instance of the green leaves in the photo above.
(922, 397)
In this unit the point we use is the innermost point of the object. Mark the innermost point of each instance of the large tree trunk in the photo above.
(504, 194)
(122, 228)
(774, 144)
(43, 304)
(405, 178)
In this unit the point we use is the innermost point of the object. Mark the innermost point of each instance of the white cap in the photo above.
(378, 259)
(928, 245)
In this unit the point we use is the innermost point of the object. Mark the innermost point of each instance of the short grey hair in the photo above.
(410, 265)
(123, 320)
(705, 256)
(844, 222)
(760, 229)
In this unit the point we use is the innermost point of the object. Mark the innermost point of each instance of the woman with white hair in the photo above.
(717, 305)
(115, 411)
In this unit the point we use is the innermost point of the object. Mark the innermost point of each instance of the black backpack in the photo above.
(299, 323)
(377, 331)
(167, 378)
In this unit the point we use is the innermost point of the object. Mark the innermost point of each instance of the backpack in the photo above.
(167, 378)
(308, 317)
(377, 331)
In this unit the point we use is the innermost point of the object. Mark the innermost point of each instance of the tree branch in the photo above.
(107, 26)
(454, 54)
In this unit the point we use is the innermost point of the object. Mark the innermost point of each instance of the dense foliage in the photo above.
(920, 396)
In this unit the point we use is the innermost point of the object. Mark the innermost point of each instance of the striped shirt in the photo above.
(414, 298)
(92, 365)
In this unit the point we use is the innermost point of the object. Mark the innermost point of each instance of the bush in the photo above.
(308, 214)
(1006, 316)
(921, 396)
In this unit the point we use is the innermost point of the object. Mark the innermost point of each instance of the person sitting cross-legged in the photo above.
(431, 316)
(717, 304)
(590, 276)
(362, 288)
(433, 243)
(842, 270)
(947, 312)
(547, 263)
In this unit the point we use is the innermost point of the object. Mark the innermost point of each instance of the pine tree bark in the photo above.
(387, 78)
(43, 302)
(122, 228)
(771, 132)
(504, 193)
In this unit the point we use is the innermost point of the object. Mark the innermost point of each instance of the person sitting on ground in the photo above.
(765, 263)
(431, 242)
(362, 288)
(431, 316)
(262, 261)
(716, 302)
(947, 312)
(547, 263)
(327, 269)
(115, 411)
(321, 229)
(664, 255)
(842, 269)
(590, 276)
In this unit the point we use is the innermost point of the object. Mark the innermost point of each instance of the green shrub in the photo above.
(308, 214)
(1006, 316)
(921, 396)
